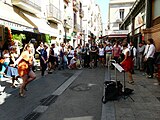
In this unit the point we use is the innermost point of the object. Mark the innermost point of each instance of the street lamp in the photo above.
(65, 36)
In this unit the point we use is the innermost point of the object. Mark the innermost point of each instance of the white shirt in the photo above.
(151, 50)
(101, 51)
(109, 48)
(71, 53)
(125, 51)
(146, 49)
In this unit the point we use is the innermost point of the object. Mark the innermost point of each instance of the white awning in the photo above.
(40, 24)
(8, 17)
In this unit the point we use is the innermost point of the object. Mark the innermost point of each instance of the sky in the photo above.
(103, 4)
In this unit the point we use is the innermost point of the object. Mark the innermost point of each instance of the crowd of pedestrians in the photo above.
(65, 56)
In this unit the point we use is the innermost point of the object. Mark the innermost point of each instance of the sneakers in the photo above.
(49, 72)
(149, 76)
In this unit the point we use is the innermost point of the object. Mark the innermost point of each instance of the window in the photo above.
(121, 13)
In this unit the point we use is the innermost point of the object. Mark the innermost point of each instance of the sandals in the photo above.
(22, 95)
(13, 86)
(131, 82)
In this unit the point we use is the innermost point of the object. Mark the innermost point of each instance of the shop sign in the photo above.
(139, 20)
(15, 26)
(11, 25)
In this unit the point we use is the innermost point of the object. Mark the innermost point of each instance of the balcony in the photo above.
(53, 13)
(67, 1)
(69, 22)
(81, 13)
(32, 6)
(75, 6)
(76, 28)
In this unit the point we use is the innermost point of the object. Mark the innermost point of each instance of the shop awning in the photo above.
(40, 24)
(9, 18)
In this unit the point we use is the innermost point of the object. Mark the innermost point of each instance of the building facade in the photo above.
(143, 22)
(92, 22)
(61, 20)
(117, 11)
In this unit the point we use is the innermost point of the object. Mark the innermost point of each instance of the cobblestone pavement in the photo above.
(146, 104)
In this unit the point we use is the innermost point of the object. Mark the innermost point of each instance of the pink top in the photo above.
(116, 51)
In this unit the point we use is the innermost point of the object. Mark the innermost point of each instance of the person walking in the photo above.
(25, 62)
(127, 63)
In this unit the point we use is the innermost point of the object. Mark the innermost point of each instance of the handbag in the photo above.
(2, 61)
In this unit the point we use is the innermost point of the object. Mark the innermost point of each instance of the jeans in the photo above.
(4, 66)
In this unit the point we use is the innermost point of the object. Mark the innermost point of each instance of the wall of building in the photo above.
(114, 12)
(153, 33)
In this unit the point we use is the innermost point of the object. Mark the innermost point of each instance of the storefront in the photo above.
(153, 29)
(11, 20)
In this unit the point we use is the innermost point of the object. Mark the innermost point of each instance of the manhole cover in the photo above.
(81, 87)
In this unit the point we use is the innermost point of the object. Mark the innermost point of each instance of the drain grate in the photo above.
(158, 98)
(32, 116)
(81, 87)
(49, 100)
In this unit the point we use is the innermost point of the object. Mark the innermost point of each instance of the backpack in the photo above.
(132, 54)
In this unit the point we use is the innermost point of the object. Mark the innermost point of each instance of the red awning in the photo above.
(117, 35)
(103, 37)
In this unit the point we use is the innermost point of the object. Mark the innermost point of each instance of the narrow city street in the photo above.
(76, 95)
(14, 107)
(57, 60)
(81, 99)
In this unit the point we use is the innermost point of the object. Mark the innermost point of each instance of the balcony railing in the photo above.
(76, 27)
(75, 5)
(69, 24)
(53, 13)
(32, 6)
(81, 13)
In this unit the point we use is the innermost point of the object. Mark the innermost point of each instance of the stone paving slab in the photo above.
(146, 105)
